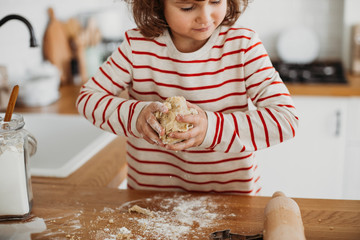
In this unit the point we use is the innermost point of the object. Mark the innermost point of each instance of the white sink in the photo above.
(64, 143)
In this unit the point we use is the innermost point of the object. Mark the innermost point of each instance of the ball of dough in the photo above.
(176, 106)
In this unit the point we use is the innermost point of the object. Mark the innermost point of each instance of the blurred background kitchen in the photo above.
(79, 34)
(325, 85)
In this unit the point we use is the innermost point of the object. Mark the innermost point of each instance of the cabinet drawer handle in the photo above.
(338, 123)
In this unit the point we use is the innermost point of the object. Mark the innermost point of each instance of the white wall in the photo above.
(267, 17)
(270, 17)
(15, 52)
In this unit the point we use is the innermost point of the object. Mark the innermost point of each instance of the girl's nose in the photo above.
(204, 16)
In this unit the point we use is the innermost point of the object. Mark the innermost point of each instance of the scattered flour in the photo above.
(124, 233)
(181, 216)
(107, 210)
(176, 217)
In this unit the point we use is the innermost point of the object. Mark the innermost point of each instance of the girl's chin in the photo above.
(202, 36)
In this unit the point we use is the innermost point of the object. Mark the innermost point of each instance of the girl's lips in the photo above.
(202, 29)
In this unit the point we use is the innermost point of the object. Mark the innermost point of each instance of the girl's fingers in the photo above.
(181, 145)
(147, 124)
(151, 119)
(148, 140)
(158, 106)
(151, 129)
(150, 136)
(155, 125)
(193, 119)
(190, 105)
(184, 135)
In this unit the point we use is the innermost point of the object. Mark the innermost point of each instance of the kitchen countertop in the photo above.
(352, 88)
(79, 212)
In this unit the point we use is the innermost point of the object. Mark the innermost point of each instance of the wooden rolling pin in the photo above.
(283, 219)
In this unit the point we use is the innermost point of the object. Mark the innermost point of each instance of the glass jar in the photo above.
(16, 146)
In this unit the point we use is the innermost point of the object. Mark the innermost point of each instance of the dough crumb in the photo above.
(124, 234)
(141, 210)
(176, 106)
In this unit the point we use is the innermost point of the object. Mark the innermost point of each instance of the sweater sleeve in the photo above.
(99, 100)
(274, 119)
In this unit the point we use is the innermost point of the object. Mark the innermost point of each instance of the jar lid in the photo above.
(16, 122)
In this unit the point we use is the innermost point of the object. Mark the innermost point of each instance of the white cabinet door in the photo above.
(352, 160)
(311, 164)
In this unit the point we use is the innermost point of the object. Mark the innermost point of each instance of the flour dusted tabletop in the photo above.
(74, 212)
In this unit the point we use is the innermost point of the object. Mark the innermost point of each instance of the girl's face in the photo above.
(192, 22)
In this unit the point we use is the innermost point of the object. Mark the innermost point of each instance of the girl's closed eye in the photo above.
(215, 2)
(190, 7)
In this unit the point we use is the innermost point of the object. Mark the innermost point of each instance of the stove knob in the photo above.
(306, 74)
(328, 70)
(293, 74)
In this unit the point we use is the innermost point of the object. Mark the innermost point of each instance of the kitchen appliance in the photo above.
(315, 72)
(298, 49)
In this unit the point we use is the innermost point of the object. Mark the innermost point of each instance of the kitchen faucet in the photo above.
(33, 42)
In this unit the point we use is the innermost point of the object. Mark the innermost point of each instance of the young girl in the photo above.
(191, 48)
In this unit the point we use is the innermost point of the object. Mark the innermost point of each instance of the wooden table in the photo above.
(75, 212)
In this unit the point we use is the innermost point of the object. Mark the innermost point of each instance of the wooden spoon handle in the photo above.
(11, 104)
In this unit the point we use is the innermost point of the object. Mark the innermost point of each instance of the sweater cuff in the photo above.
(139, 107)
(210, 132)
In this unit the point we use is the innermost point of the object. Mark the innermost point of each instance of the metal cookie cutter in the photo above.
(226, 235)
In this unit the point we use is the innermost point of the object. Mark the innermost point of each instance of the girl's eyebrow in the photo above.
(188, 1)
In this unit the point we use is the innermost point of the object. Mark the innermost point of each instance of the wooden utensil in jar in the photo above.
(11, 104)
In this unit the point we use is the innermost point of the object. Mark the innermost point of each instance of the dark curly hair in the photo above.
(149, 15)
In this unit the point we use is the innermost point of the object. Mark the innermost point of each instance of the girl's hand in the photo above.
(193, 137)
(148, 126)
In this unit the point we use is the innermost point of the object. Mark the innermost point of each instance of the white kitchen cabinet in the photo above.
(352, 160)
(312, 164)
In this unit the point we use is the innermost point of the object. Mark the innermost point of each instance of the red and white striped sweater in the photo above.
(220, 77)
